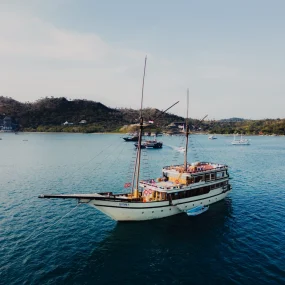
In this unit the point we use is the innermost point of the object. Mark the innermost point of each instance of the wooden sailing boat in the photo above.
(180, 188)
(241, 141)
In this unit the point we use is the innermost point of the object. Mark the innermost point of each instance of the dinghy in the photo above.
(197, 210)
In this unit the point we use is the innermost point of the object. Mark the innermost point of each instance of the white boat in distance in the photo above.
(212, 137)
(241, 141)
(180, 188)
(181, 149)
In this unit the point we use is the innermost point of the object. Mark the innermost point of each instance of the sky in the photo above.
(229, 53)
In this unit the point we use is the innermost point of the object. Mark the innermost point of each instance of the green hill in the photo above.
(50, 114)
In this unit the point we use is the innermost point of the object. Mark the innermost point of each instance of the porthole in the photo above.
(142, 212)
(152, 211)
(161, 210)
(170, 209)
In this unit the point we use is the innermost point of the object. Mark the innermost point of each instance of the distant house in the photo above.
(178, 124)
(7, 124)
(67, 123)
(83, 122)
(176, 127)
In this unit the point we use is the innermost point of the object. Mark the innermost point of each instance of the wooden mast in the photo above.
(187, 133)
(138, 158)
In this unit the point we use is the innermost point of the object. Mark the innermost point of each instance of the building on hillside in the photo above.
(7, 124)
(176, 127)
(67, 123)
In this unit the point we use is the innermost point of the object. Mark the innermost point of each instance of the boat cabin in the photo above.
(200, 178)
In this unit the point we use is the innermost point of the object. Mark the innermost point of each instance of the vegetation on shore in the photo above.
(84, 116)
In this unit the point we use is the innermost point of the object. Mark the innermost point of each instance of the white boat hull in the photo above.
(124, 211)
(240, 143)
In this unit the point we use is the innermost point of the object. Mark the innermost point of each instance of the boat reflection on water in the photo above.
(147, 248)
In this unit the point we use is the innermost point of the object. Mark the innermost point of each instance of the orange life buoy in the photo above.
(177, 181)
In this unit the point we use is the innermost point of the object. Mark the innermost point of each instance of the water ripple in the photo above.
(238, 241)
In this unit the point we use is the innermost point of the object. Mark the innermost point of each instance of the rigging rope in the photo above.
(103, 160)
(71, 174)
(54, 223)
(115, 158)
(203, 148)
(29, 237)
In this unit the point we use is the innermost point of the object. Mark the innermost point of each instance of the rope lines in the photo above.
(31, 237)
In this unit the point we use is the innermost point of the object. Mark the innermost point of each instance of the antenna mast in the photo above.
(187, 133)
(138, 159)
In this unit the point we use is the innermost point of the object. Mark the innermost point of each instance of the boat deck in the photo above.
(196, 167)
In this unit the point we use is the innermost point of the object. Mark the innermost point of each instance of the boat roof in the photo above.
(193, 170)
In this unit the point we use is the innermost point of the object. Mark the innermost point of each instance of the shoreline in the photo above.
(124, 134)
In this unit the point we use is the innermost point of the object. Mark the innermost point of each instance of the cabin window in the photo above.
(201, 191)
(212, 176)
(220, 175)
(207, 177)
(163, 196)
(199, 178)
(207, 189)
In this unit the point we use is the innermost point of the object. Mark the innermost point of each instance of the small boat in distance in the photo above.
(150, 144)
(134, 138)
(212, 137)
(241, 141)
(197, 210)
(181, 149)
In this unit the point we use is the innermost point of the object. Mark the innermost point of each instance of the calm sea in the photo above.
(240, 240)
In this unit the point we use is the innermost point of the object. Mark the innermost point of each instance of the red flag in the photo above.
(128, 184)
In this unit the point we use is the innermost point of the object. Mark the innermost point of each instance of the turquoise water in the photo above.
(240, 240)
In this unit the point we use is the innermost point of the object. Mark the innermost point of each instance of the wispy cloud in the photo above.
(39, 58)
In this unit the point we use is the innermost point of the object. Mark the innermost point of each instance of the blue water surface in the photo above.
(240, 240)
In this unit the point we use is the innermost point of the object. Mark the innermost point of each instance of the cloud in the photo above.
(26, 36)
(39, 59)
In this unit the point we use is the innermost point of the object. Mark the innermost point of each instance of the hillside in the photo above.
(49, 114)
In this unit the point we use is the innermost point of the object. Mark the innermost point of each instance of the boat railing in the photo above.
(198, 169)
